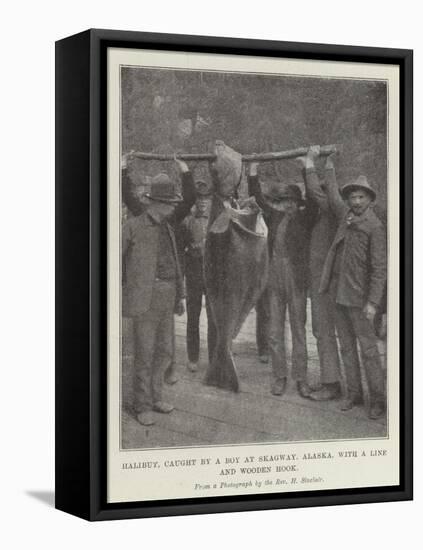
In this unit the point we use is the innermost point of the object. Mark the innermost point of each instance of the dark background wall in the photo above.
(167, 110)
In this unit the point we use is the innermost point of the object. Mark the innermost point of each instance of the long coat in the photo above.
(140, 243)
(326, 222)
(298, 232)
(362, 273)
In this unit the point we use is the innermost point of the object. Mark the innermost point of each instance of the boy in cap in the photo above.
(194, 231)
(355, 271)
(289, 220)
(152, 288)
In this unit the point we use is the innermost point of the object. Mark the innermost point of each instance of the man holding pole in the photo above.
(193, 232)
(289, 234)
(322, 305)
(152, 289)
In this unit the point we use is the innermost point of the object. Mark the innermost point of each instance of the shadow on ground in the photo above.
(46, 497)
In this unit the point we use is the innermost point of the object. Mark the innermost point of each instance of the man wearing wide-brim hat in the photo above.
(289, 219)
(152, 282)
(355, 270)
(360, 184)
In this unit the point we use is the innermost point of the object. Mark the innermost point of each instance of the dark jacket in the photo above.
(140, 241)
(326, 223)
(193, 234)
(298, 231)
(363, 266)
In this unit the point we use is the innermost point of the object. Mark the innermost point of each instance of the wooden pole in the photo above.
(291, 154)
(181, 156)
(325, 150)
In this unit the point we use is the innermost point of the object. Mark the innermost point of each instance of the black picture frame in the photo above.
(81, 268)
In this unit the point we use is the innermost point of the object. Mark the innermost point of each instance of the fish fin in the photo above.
(221, 223)
(221, 371)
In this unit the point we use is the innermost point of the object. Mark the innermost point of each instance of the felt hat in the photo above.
(162, 189)
(360, 183)
(281, 191)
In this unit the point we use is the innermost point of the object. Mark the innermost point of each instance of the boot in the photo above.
(351, 400)
(327, 392)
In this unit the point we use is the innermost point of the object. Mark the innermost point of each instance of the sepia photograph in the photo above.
(254, 264)
(253, 275)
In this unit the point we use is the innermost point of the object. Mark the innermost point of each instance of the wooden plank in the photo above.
(210, 429)
(288, 418)
(136, 436)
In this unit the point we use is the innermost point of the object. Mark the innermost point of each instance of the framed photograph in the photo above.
(234, 274)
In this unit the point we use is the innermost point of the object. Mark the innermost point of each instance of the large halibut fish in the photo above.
(235, 264)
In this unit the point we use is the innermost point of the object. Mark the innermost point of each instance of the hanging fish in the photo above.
(235, 264)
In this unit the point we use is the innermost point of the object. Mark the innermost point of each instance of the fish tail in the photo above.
(222, 372)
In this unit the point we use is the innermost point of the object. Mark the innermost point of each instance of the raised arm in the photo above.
(336, 204)
(188, 192)
(129, 193)
(126, 237)
(314, 190)
(254, 188)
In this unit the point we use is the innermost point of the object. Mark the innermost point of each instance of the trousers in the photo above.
(154, 345)
(284, 295)
(353, 326)
(323, 325)
(263, 323)
(195, 290)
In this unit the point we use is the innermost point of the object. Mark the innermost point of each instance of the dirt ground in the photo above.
(205, 415)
